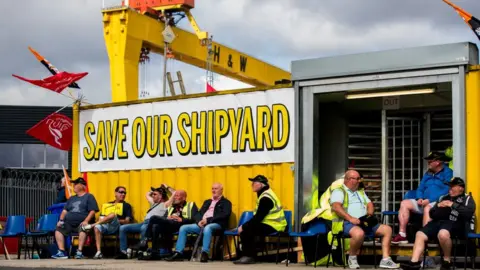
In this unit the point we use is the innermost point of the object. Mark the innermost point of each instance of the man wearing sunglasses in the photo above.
(114, 214)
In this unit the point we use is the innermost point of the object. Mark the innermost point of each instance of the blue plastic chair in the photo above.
(246, 216)
(288, 217)
(411, 194)
(316, 229)
(15, 227)
(46, 226)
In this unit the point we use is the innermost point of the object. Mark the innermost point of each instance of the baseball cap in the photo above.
(457, 181)
(259, 178)
(437, 156)
(80, 180)
(161, 190)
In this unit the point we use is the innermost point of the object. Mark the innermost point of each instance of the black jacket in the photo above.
(264, 207)
(221, 213)
(462, 209)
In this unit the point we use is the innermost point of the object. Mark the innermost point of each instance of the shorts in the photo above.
(347, 226)
(109, 228)
(433, 227)
(68, 228)
(417, 209)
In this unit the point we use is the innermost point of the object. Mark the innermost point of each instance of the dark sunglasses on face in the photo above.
(122, 192)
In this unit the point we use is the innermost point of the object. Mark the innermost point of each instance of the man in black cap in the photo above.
(449, 216)
(268, 218)
(79, 211)
(158, 201)
(433, 185)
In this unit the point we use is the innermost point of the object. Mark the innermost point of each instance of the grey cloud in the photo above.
(69, 34)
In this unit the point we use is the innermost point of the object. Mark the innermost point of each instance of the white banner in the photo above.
(245, 128)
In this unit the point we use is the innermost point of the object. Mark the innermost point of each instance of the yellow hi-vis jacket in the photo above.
(325, 210)
(186, 211)
(276, 217)
(449, 153)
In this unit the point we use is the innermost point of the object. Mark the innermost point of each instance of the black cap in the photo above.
(259, 178)
(161, 190)
(437, 156)
(457, 181)
(80, 180)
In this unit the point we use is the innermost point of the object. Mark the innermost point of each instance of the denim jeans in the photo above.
(193, 228)
(131, 228)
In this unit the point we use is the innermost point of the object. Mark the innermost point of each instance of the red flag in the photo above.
(57, 82)
(55, 130)
(85, 177)
(210, 89)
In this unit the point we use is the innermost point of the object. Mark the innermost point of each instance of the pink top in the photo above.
(209, 212)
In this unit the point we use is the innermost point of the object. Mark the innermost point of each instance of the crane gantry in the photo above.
(139, 23)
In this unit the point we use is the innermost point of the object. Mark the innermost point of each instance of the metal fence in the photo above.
(27, 192)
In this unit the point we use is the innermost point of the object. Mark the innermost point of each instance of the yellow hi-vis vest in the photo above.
(337, 222)
(324, 210)
(276, 217)
(186, 211)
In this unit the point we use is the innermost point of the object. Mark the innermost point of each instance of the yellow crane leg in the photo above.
(123, 52)
(126, 30)
(472, 98)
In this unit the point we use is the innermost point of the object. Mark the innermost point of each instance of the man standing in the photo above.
(78, 212)
(113, 214)
(180, 213)
(433, 185)
(268, 218)
(213, 216)
(450, 217)
(350, 205)
(158, 200)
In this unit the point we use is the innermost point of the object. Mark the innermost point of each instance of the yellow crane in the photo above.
(139, 24)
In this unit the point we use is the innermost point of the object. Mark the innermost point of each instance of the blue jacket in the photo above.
(433, 186)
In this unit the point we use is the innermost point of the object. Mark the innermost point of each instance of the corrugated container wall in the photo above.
(196, 181)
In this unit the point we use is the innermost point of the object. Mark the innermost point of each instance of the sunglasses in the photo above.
(122, 192)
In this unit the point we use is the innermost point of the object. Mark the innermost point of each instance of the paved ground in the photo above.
(130, 264)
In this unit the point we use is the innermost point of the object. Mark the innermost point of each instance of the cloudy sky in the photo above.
(69, 34)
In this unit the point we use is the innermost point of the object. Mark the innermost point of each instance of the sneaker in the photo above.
(353, 263)
(98, 255)
(398, 239)
(410, 265)
(446, 265)
(121, 256)
(60, 255)
(79, 255)
(388, 263)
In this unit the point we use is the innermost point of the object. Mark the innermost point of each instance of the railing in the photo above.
(27, 192)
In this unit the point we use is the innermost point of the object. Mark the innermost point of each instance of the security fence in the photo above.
(27, 192)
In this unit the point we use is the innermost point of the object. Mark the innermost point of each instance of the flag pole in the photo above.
(41, 121)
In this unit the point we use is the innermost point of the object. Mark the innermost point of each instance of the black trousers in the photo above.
(248, 237)
(161, 226)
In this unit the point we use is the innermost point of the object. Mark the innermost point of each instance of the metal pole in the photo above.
(165, 68)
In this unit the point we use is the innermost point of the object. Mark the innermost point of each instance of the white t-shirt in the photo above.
(156, 210)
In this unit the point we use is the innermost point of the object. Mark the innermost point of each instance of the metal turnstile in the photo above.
(403, 159)
(364, 153)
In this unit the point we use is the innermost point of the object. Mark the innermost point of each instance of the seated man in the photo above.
(433, 185)
(179, 213)
(349, 205)
(213, 216)
(268, 218)
(449, 216)
(158, 200)
(113, 214)
(78, 212)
